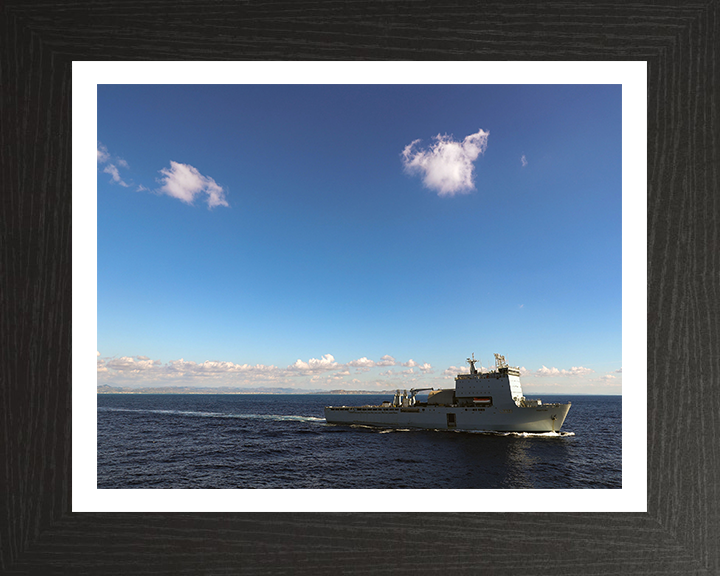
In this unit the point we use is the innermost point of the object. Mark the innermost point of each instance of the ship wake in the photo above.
(384, 430)
(195, 414)
(520, 434)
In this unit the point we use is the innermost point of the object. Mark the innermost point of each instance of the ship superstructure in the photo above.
(492, 401)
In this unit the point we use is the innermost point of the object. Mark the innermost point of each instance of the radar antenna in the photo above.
(500, 361)
(472, 361)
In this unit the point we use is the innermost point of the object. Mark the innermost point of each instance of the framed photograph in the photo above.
(60, 521)
(325, 213)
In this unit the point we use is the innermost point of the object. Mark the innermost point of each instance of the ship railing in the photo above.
(523, 402)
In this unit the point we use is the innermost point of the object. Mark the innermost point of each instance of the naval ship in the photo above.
(491, 401)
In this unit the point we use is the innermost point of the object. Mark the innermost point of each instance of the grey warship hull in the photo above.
(490, 401)
(549, 418)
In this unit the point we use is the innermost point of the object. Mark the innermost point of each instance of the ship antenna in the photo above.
(472, 361)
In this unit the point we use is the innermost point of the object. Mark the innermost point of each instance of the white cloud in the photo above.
(545, 371)
(426, 368)
(361, 363)
(142, 370)
(577, 371)
(324, 364)
(180, 181)
(607, 377)
(113, 171)
(455, 370)
(523, 160)
(215, 368)
(101, 364)
(574, 371)
(127, 363)
(619, 371)
(446, 166)
(185, 183)
(102, 154)
(386, 360)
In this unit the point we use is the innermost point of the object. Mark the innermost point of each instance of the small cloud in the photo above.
(362, 363)
(521, 305)
(327, 362)
(545, 371)
(426, 368)
(455, 370)
(185, 182)
(446, 166)
(607, 377)
(410, 363)
(101, 364)
(102, 154)
(386, 360)
(113, 171)
(523, 160)
(618, 371)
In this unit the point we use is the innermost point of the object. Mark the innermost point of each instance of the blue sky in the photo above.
(359, 237)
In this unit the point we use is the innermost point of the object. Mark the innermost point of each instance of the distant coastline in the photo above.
(105, 389)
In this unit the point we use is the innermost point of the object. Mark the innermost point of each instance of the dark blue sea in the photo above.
(283, 441)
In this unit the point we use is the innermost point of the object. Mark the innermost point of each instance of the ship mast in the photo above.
(472, 361)
(500, 361)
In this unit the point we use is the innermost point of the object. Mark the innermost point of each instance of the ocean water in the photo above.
(282, 441)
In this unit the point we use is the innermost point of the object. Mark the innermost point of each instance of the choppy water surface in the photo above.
(283, 441)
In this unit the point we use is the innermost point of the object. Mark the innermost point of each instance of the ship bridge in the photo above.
(501, 384)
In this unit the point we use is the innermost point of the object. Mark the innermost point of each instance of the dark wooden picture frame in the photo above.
(680, 532)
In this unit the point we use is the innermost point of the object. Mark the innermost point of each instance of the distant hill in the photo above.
(105, 389)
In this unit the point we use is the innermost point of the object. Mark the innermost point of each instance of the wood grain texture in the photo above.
(680, 533)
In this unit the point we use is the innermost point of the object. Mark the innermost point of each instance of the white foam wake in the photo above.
(193, 413)
(521, 434)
